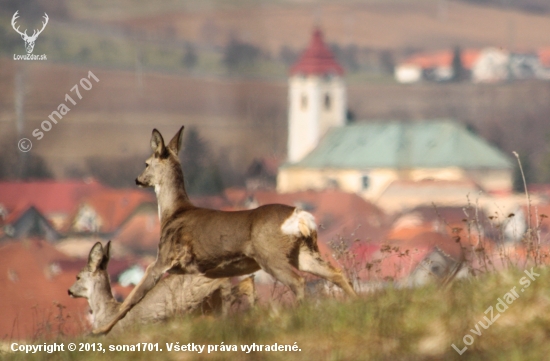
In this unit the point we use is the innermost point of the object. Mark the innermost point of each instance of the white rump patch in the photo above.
(299, 224)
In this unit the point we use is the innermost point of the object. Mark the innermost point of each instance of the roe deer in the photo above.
(275, 237)
(174, 295)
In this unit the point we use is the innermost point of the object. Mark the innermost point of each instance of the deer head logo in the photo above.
(29, 40)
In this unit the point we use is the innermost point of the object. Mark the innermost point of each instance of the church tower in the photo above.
(317, 98)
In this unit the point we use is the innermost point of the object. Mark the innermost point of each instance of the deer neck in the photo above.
(103, 304)
(171, 196)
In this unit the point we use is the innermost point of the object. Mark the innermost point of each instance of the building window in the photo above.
(327, 101)
(365, 182)
(304, 102)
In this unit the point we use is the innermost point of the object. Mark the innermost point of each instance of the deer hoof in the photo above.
(99, 332)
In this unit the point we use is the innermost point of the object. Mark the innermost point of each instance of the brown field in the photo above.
(374, 24)
(242, 119)
(115, 118)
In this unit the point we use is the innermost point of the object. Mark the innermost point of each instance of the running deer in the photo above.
(174, 295)
(276, 238)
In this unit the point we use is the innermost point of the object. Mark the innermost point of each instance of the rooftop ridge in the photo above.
(432, 143)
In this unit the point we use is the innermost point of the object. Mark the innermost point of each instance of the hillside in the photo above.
(395, 25)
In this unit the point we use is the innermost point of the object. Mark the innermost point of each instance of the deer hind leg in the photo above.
(311, 261)
(247, 288)
(282, 270)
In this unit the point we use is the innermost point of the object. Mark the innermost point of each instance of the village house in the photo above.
(487, 65)
(26, 222)
(434, 66)
(74, 214)
(105, 212)
(56, 200)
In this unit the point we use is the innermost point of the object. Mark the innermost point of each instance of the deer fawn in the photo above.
(276, 238)
(174, 295)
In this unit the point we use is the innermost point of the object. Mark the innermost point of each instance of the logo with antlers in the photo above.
(29, 40)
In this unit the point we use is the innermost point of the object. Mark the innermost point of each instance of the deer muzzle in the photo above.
(140, 183)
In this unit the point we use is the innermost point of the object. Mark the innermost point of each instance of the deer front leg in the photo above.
(152, 275)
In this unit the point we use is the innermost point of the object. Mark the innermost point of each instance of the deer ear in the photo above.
(96, 256)
(175, 143)
(157, 143)
(106, 256)
(107, 250)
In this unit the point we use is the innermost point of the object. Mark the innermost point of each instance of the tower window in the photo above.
(365, 182)
(303, 101)
(327, 102)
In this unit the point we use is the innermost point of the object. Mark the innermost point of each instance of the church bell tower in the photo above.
(317, 98)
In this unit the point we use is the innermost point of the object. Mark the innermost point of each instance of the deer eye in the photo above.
(146, 165)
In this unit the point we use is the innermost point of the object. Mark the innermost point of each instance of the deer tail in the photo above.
(302, 224)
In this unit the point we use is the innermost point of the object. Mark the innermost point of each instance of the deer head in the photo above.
(94, 276)
(29, 40)
(164, 163)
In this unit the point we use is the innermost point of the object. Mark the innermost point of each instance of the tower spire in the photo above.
(317, 59)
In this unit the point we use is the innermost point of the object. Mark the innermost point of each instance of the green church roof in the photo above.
(404, 145)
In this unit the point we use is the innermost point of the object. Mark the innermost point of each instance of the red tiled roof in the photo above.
(409, 232)
(212, 202)
(341, 216)
(443, 59)
(47, 196)
(114, 206)
(15, 213)
(544, 57)
(401, 256)
(540, 216)
(327, 254)
(119, 291)
(141, 233)
(446, 219)
(31, 287)
(539, 189)
(317, 59)
(430, 240)
(236, 196)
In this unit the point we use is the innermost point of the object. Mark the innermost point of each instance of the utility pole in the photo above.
(19, 103)
(20, 99)
(442, 10)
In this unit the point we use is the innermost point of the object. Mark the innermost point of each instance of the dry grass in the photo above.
(406, 324)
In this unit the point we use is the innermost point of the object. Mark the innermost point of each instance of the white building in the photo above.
(317, 98)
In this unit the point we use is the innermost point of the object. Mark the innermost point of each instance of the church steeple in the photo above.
(317, 97)
(317, 59)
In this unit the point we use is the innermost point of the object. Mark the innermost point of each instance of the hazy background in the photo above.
(221, 67)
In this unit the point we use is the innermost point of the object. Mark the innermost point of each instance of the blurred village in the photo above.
(400, 199)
